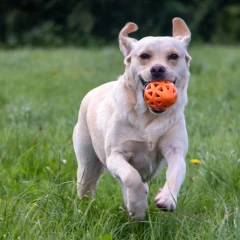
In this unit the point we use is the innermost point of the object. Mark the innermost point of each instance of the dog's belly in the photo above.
(145, 159)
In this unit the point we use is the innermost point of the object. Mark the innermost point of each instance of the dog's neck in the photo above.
(136, 111)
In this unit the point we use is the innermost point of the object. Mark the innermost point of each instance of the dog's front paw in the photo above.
(138, 210)
(137, 203)
(165, 201)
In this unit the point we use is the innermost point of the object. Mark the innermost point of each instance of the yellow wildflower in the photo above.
(195, 161)
(33, 205)
(54, 71)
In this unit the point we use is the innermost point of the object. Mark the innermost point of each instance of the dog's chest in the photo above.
(144, 156)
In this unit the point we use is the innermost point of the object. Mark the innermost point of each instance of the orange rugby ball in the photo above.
(160, 95)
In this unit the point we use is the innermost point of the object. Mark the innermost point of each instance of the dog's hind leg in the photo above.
(89, 167)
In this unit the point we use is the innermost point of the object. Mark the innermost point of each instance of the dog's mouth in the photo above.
(144, 83)
(156, 111)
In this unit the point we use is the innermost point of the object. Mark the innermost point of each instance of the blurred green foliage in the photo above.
(94, 22)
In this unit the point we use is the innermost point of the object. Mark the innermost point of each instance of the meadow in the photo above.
(40, 94)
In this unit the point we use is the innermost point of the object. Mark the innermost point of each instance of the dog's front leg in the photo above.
(135, 190)
(167, 196)
(173, 147)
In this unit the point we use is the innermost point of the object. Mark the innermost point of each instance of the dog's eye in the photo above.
(173, 56)
(144, 56)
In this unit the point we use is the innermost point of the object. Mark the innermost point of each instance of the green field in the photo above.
(40, 94)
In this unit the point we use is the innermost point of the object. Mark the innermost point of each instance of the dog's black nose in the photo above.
(157, 71)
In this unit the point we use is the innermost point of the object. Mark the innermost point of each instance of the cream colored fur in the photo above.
(117, 131)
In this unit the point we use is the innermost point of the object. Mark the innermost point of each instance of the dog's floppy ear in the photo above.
(181, 31)
(126, 43)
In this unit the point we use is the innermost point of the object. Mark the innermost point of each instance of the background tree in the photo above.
(93, 22)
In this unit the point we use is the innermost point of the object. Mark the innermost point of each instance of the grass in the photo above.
(40, 93)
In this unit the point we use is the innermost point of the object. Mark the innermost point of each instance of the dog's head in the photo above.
(157, 58)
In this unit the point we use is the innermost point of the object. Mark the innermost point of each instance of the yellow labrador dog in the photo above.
(117, 131)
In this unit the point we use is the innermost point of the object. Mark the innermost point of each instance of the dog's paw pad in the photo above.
(163, 208)
(165, 202)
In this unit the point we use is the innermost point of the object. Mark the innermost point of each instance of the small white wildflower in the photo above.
(64, 161)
